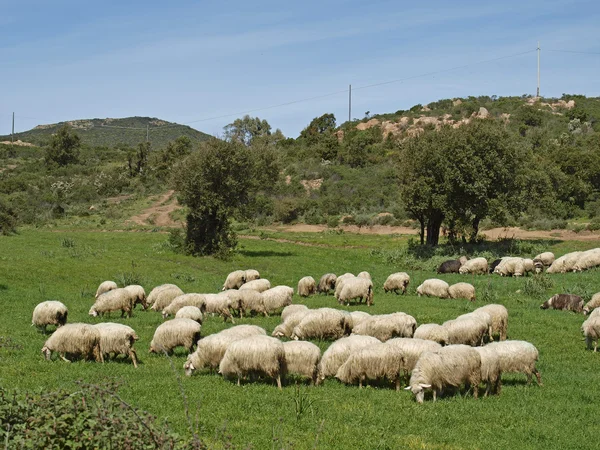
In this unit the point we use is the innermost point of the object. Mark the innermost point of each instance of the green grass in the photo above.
(36, 266)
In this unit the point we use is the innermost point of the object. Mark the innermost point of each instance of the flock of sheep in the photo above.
(365, 347)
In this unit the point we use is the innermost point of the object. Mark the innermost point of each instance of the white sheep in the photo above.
(163, 297)
(323, 323)
(51, 312)
(219, 304)
(482, 315)
(197, 300)
(491, 369)
(119, 299)
(432, 332)
(499, 315)
(547, 258)
(339, 282)
(105, 286)
(257, 285)
(277, 298)
(251, 275)
(462, 290)
(592, 304)
(262, 355)
(517, 356)
(175, 333)
(528, 266)
(306, 286)
(118, 339)
(80, 339)
(292, 309)
(235, 280)
(411, 350)
(366, 275)
(138, 294)
(452, 365)
(190, 312)
(587, 260)
(564, 264)
(433, 287)
(235, 300)
(327, 283)
(339, 351)
(474, 266)
(512, 266)
(387, 326)
(356, 288)
(396, 282)
(358, 317)
(372, 363)
(591, 331)
(152, 296)
(252, 301)
(470, 331)
(302, 358)
(286, 327)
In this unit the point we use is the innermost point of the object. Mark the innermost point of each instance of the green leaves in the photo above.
(64, 148)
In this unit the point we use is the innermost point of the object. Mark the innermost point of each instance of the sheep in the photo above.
(235, 300)
(449, 366)
(276, 298)
(219, 304)
(365, 275)
(327, 283)
(339, 283)
(564, 264)
(491, 370)
(251, 275)
(286, 328)
(587, 260)
(163, 297)
(567, 302)
(358, 317)
(396, 282)
(257, 285)
(115, 300)
(595, 313)
(528, 266)
(592, 304)
(510, 266)
(482, 315)
(75, 338)
(234, 280)
(151, 298)
(538, 266)
(251, 301)
(197, 300)
(105, 286)
(434, 287)
(452, 265)
(387, 326)
(462, 290)
(372, 363)
(339, 351)
(411, 350)
(591, 330)
(432, 332)
(138, 294)
(306, 286)
(323, 323)
(356, 288)
(190, 312)
(118, 339)
(51, 312)
(517, 356)
(256, 354)
(474, 266)
(499, 315)
(469, 331)
(494, 264)
(292, 309)
(211, 349)
(175, 333)
(302, 358)
(546, 258)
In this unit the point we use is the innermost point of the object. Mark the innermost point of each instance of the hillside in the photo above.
(112, 132)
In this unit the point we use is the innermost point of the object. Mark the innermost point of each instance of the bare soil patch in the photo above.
(159, 213)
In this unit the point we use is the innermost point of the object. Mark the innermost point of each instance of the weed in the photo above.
(302, 402)
(67, 243)
(537, 285)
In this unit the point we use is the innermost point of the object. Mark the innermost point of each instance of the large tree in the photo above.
(64, 147)
(248, 130)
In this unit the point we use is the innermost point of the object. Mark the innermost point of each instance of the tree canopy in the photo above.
(64, 147)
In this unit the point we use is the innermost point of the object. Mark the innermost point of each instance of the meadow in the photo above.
(67, 265)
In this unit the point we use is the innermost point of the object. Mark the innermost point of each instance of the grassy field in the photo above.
(38, 265)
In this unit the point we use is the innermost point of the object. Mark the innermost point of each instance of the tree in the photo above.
(8, 218)
(64, 147)
(175, 151)
(137, 160)
(247, 129)
(320, 135)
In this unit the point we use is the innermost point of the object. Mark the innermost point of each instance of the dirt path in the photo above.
(159, 213)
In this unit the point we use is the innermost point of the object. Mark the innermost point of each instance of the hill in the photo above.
(112, 132)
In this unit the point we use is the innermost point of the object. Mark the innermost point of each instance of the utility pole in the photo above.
(12, 134)
(147, 132)
(349, 103)
(538, 78)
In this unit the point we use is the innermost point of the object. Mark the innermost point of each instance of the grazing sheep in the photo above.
(306, 286)
(358, 317)
(567, 302)
(432, 332)
(163, 296)
(365, 275)
(277, 298)
(339, 351)
(462, 290)
(79, 339)
(499, 315)
(452, 265)
(491, 370)
(302, 358)
(356, 288)
(219, 304)
(449, 366)
(339, 283)
(175, 333)
(235, 280)
(434, 287)
(564, 264)
(251, 301)
(469, 331)
(327, 283)
(190, 312)
(252, 275)
(482, 315)
(197, 300)
(115, 300)
(257, 285)
(51, 312)
(105, 286)
(254, 355)
(118, 339)
(547, 258)
(286, 328)
(211, 349)
(528, 266)
(587, 260)
(292, 309)
(538, 266)
(592, 304)
(396, 282)
(517, 356)
(411, 350)
(494, 264)
(372, 363)
(474, 266)
(387, 326)
(323, 323)
(509, 266)
(591, 330)
(235, 300)
(138, 294)
(595, 313)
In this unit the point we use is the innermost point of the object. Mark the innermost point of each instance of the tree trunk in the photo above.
(433, 229)
(475, 231)
(422, 233)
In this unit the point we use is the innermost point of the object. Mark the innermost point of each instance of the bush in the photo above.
(333, 221)
(8, 218)
(537, 285)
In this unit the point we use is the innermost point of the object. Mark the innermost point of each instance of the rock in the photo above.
(366, 125)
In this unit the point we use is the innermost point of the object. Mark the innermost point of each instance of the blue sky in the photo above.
(187, 61)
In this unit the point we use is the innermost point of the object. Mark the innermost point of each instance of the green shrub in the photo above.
(537, 285)
(333, 221)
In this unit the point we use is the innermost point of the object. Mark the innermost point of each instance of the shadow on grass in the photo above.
(3, 287)
(259, 253)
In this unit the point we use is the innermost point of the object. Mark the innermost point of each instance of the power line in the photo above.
(573, 51)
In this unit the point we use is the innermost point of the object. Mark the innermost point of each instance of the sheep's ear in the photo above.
(407, 388)
(425, 386)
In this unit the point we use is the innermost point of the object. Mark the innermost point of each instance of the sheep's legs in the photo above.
(62, 356)
(278, 382)
(133, 357)
(538, 376)
(398, 383)
(434, 395)
(238, 383)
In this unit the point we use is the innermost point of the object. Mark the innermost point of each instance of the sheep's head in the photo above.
(93, 312)
(189, 368)
(46, 352)
(586, 311)
(418, 390)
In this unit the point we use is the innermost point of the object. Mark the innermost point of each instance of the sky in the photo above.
(206, 63)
